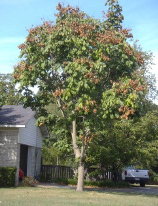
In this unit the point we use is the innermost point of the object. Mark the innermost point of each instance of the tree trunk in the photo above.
(80, 182)
(79, 156)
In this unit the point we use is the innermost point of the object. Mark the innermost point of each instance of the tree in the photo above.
(147, 132)
(8, 93)
(86, 67)
(115, 148)
(56, 148)
(126, 142)
(119, 143)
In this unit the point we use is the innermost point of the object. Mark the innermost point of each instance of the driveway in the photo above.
(147, 190)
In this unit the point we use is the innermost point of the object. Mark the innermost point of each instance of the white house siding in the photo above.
(38, 161)
(34, 161)
(9, 150)
(10, 140)
(30, 135)
(31, 162)
(39, 138)
(27, 135)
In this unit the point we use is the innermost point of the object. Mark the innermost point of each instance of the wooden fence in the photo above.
(54, 172)
(104, 175)
(49, 172)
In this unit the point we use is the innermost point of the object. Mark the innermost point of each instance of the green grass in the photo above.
(69, 197)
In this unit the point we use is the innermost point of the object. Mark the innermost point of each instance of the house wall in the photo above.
(10, 140)
(34, 161)
(38, 161)
(39, 139)
(31, 134)
(9, 149)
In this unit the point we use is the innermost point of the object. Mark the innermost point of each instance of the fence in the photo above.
(102, 175)
(111, 176)
(54, 172)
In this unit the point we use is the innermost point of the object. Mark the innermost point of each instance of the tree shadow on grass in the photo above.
(133, 191)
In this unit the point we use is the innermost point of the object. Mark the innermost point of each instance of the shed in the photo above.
(21, 140)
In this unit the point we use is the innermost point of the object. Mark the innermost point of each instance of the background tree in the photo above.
(57, 148)
(86, 67)
(115, 148)
(147, 151)
(126, 142)
(8, 93)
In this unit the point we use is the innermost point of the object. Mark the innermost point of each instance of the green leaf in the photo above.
(111, 116)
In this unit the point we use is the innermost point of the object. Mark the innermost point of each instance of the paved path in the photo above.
(149, 190)
(54, 185)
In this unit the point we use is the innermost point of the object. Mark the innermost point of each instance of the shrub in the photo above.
(107, 183)
(7, 176)
(28, 181)
(62, 181)
(103, 183)
(95, 174)
(46, 178)
(153, 178)
(72, 181)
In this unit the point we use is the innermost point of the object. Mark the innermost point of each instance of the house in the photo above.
(20, 140)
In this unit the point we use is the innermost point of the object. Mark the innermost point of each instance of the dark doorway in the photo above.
(23, 158)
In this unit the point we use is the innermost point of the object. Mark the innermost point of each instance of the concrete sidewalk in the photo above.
(53, 185)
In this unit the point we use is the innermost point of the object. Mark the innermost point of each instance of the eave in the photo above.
(12, 126)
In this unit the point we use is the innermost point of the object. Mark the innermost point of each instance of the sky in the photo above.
(17, 16)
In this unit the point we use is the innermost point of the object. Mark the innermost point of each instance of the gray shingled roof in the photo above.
(15, 115)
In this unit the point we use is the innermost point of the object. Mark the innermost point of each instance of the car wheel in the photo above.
(142, 184)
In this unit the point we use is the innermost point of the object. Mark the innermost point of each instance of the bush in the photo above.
(95, 174)
(28, 181)
(107, 183)
(7, 176)
(62, 181)
(46, 178)
(153, 178)
(72, 181)
(104, 183)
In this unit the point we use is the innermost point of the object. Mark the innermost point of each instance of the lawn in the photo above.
(67, 197)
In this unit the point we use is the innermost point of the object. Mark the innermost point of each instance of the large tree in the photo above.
(8, 92)
(86, 67)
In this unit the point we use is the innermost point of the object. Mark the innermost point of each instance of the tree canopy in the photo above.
(87, 68)
(8, 93)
